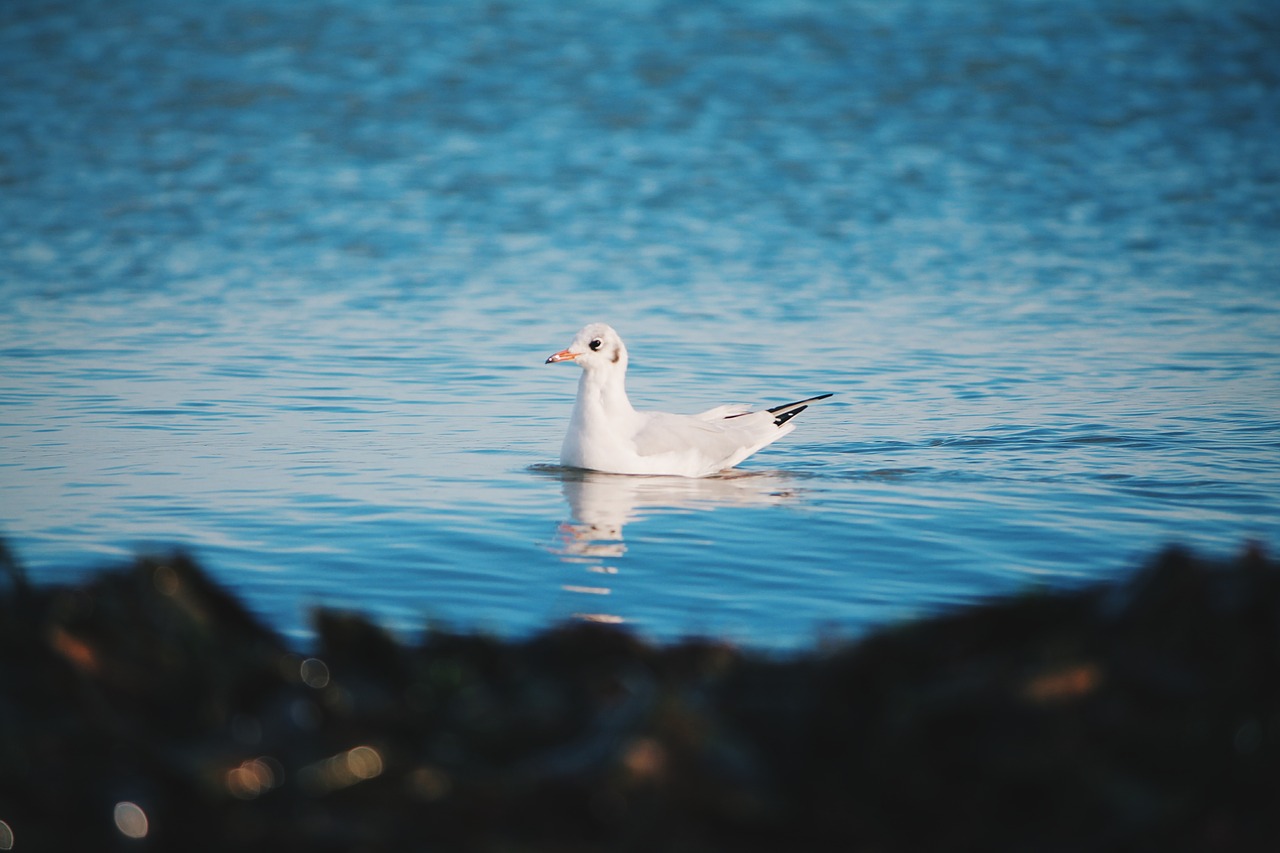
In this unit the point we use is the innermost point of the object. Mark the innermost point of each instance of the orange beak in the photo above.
(563, 355)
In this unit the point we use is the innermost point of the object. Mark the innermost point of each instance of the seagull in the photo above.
(607, 434)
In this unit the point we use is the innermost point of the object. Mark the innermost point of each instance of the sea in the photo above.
(278, 280)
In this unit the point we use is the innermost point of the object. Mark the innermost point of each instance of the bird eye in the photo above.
(595, 344)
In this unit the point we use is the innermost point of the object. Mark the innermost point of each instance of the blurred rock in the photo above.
(147, 709)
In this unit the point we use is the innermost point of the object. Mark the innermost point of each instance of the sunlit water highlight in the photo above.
(278, 289)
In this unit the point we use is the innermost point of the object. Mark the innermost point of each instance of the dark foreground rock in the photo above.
(148, 710)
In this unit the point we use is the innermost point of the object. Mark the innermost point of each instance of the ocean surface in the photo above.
(277, 281)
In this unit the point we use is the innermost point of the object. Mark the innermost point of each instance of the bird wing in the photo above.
(710, 439)
(724, 432)
(697, 445)
(720, 412)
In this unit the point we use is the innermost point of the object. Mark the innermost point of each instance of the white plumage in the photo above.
(607, 434)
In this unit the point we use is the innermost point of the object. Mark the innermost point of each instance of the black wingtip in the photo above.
(777, 409)
(786, 416)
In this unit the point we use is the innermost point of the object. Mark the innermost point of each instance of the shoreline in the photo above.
(147, 706)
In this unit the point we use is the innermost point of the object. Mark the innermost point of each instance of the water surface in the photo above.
(276, 285)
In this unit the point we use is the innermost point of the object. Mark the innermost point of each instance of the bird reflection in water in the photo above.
(602, 505)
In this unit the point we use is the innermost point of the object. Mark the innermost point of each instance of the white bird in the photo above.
(607, 434)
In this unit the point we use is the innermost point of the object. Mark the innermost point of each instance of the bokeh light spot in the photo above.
(315, 673)
(341, 771)
(131, 820)
(254, 777)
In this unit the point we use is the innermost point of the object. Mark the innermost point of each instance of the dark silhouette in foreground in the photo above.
(147, 709)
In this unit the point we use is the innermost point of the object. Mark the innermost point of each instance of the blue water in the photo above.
(277, 281)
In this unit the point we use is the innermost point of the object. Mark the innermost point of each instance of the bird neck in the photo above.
(604, 394)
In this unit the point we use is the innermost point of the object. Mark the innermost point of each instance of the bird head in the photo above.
(597, 346)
